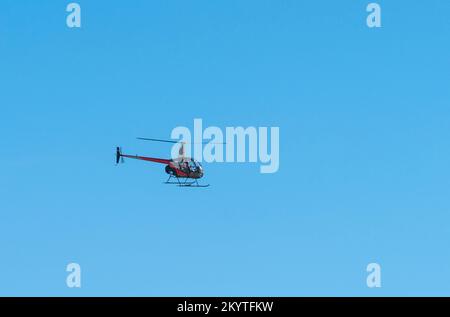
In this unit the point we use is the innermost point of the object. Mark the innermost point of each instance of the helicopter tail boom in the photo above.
(120, 156)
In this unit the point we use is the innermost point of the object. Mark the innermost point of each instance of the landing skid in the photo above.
(184, 183)
(193, 185)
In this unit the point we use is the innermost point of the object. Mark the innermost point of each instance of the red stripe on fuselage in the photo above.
(148, 159)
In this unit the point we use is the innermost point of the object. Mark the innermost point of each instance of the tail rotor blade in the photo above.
(118, 155)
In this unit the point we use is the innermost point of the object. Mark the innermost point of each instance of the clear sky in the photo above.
(364, 160)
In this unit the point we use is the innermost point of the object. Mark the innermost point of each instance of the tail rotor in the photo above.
(119, 157)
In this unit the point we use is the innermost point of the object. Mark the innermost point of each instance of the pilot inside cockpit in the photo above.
(192, 166)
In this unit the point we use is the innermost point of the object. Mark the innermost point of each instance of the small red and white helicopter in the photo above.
(186, 170)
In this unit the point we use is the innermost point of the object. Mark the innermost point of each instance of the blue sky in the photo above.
(364, 148)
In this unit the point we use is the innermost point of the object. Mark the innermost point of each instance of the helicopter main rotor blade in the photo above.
(158, 140)
(173, 141)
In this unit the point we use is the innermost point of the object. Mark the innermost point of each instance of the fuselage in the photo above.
(185, 167)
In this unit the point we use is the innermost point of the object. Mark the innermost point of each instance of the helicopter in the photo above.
(183, 171)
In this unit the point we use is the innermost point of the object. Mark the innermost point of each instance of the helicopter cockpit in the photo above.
(195, 166)
(190, 165)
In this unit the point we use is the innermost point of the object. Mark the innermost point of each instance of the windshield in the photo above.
(194, 165)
